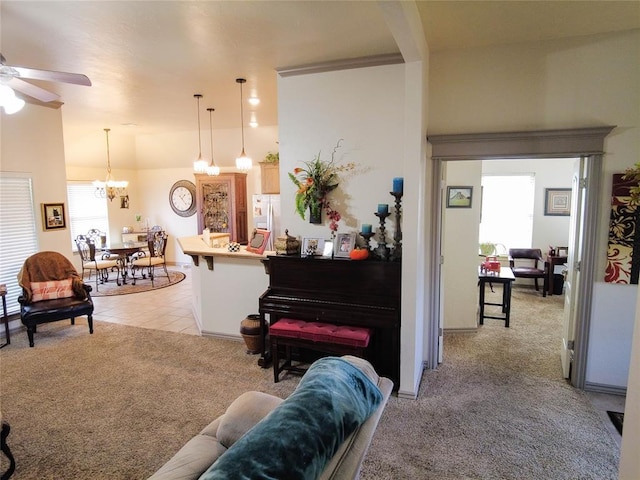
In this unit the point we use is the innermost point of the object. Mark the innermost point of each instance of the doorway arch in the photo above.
(587, 143)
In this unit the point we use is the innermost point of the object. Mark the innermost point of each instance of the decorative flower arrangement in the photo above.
(314, 182)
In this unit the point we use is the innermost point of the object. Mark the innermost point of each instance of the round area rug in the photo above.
(142, 285)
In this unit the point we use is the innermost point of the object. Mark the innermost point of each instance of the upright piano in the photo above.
(339, 291)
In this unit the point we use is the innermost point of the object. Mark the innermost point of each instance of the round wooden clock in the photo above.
(182, 198)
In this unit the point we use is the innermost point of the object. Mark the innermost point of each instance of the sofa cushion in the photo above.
(51, 290)
(245, 411)
(298, 438)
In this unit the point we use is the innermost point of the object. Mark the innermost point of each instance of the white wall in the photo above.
(461, 228)
(366, 108)
(32, 144)
(579, 82)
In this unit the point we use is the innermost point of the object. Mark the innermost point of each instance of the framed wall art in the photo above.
(557, 201)
(53, 217)
(459, 197)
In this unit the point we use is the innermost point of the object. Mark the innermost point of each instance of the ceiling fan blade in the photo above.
(32, 90)
(51, 76)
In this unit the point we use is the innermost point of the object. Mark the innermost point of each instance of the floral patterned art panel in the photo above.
(623, 253)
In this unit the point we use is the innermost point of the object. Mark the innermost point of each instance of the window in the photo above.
(86, 211)
(18, 236)
(507, 211)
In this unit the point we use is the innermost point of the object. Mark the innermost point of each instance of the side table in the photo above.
(550, 263)
(5, 317)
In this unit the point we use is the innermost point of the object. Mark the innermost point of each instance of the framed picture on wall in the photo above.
(53, 217)
(459, 197)
(557, 201)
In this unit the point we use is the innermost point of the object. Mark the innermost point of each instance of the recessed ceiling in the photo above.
(146, 59)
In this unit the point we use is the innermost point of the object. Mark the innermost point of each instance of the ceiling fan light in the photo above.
(13, 105)
(6, 94)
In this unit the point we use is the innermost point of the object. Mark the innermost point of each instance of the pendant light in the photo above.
(212, 169)
(200, 165)
(109, 188)
(243, 162)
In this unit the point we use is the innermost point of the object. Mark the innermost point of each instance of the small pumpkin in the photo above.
(359, 254)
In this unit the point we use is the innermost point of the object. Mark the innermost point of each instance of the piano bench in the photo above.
(318, 336)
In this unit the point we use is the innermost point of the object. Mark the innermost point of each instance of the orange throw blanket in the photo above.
(48, 266)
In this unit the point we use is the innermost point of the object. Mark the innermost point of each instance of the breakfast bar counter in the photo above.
(226, 285)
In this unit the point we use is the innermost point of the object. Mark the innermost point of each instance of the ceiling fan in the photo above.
(12, 76)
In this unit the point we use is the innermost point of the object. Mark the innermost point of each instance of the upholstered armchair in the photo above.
(146, 262)
(102, 266)
(52, 290)
(528, 263)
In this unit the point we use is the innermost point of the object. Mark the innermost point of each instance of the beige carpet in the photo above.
(117, 404)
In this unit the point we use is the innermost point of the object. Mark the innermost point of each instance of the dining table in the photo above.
(124, 251)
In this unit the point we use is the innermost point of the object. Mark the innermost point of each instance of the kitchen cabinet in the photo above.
(269, 177)
(222, 205)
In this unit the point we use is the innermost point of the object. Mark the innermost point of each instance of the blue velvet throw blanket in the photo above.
(298, 438)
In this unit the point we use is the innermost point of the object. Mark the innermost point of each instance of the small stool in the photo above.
(5, 317)
(318, 336)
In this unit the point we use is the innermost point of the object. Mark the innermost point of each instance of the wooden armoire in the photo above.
(222, 205)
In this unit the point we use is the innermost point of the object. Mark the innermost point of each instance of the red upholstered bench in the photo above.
(318, 336)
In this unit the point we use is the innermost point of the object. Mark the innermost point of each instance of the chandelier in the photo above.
(109, 188)
(212, 168)
(200, 165)
(243, 162)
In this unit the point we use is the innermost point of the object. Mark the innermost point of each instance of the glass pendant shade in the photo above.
(243, 162)
(110, 188)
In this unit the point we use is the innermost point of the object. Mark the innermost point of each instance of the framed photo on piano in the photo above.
(312, 246)
(345, 242)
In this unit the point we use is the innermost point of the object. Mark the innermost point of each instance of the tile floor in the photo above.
(170, 309)
(163, 309)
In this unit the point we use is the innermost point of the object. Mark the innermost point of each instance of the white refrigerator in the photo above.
(266, 215)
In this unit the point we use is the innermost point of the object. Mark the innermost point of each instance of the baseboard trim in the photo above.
(601, 388)
(460, 330)
(222, 336)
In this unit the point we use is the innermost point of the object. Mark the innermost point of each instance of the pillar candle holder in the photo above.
(382, 251)
(367, 239)
(397, 236)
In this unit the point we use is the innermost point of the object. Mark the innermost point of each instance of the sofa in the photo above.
(263, 436)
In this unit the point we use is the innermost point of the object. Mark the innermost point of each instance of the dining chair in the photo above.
(528, 263)
(146, 262)
(102, 266)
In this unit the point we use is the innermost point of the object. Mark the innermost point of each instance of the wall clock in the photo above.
(182, 198)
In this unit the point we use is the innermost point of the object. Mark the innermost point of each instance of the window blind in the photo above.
(18, 235)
